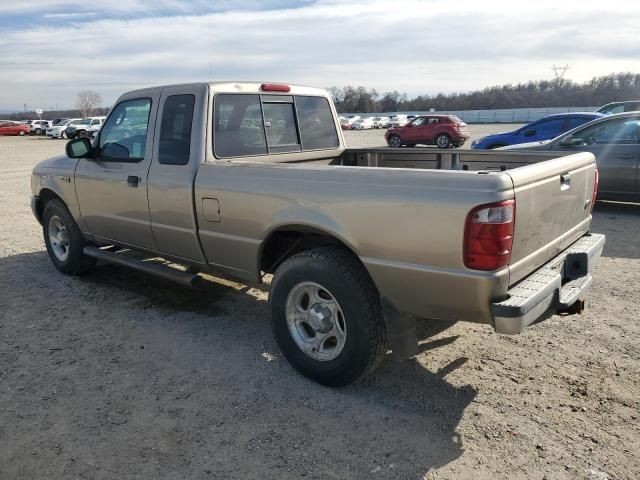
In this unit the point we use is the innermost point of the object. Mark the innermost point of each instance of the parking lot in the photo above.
(121, 375)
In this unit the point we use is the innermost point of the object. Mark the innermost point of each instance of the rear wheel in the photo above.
(326, 316)
(82, 134)
(63, 134)
(443, 141)
(64, 240)
(394, 141)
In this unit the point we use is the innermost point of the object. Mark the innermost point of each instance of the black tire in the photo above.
(443, 141)
(21, 133)
(37, 131)
(63, 134)
(82, 134)
(76, 262)
(394, 141)
(341, 274)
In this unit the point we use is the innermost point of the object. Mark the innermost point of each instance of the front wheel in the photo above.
(38, 131)
(394, 141)
(21, 133)
(63, 134)
(64, 240)
(443, 141)
(326, 316)
(83, 134)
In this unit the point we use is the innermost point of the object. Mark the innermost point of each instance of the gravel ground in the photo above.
(121, 375)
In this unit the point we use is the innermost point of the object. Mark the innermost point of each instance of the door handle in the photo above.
(132, 180)
(625, 156)
(565, 181)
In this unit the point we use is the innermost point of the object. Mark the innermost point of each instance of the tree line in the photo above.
(542, 93)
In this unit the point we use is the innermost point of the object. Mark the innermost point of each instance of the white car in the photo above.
(82, 128)
(363, 124)
(58, 130)
(38, 127)
(397, 121)
(380, 122)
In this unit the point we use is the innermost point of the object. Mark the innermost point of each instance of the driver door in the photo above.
(112, 188)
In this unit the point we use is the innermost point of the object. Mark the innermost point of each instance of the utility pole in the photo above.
(559, 71)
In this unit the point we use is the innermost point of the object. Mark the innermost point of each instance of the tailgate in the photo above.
(553, 209)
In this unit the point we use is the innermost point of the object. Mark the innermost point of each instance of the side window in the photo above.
(280, 123)
(576, 122)
(418, 121)
(175, 130)
(549, 127)
(317, 126)
(238, 128)
(124, 135)
(623, 131)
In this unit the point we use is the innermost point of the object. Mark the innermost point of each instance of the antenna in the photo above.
(559, 71)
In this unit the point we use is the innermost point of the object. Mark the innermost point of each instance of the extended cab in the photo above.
(252, 179)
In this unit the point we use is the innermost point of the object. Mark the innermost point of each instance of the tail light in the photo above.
(488, 235)
(595, 188)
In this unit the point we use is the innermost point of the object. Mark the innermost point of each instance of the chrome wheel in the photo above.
(443, 141)
(316, 322)
(395, 141)
(58, 238)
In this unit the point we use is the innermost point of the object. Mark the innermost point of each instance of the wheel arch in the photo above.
(45, 196)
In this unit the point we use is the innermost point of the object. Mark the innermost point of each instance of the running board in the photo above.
(168, 273)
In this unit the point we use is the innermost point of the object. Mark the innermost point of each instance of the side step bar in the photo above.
(168, 273)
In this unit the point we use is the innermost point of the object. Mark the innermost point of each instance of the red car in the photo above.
(444, 131)
(13, 128)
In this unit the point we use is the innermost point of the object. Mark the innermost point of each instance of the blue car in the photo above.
(544, 129)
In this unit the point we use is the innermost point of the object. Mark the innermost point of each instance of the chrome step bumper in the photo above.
(555, 287)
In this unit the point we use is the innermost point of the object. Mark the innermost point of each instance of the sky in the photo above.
(51, 49)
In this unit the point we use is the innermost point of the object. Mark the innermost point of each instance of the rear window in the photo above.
(247, 125)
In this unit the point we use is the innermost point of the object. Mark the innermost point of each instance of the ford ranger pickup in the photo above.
(253, 180)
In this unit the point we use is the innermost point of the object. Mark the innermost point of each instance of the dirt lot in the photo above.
(117, 375)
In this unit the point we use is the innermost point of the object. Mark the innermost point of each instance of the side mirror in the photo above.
(78, 148)
(529, 132)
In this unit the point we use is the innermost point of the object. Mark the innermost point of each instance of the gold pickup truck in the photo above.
(250, 179)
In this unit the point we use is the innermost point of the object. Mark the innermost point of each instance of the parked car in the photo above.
(39, 127)
(13, 128)
(351, 119)
(81, 128)
(544, 129)
(59, 130)
(57, 121)
(620, 107)
(363, 124)
(380, 122)
(397, 121)
(356, 253)
(615, 142)
(444, 131)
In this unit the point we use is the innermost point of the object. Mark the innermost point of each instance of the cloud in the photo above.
(413, 46)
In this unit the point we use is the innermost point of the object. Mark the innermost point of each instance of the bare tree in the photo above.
(87, 101)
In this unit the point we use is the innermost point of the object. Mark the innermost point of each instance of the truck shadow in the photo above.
(620, 222)
(215, 344)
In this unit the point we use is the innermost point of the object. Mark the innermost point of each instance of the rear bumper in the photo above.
(555, 287)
